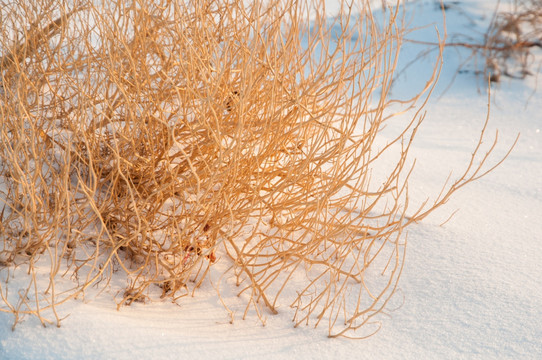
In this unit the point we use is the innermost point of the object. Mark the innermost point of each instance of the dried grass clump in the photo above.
(148, 140)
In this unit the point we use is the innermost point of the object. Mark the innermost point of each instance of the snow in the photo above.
(469, 288)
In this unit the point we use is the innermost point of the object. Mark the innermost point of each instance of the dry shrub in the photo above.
(507, 48)
(152, 139)
(510, 39)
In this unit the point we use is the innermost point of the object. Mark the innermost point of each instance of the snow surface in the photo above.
(469, 289)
